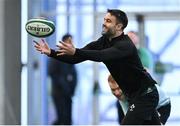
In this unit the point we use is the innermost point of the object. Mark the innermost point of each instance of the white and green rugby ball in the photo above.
(40, 27)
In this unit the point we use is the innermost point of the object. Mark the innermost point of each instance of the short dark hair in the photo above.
(66, 36)
(120, 16)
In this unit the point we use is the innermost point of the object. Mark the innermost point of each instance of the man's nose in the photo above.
(103, 24)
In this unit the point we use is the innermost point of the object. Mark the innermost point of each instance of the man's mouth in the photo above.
(104, 28)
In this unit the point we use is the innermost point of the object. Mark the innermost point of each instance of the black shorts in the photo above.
(142, 110)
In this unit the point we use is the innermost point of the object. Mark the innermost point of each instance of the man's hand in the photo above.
(42, 47)
(66, 48)
(115, 89)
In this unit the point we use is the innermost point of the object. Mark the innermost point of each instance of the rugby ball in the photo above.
(40, 27)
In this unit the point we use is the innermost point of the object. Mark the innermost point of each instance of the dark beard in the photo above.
(108, 34)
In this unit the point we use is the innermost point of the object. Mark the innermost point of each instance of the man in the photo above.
(120, 56)
(64, 81)
(164, 104)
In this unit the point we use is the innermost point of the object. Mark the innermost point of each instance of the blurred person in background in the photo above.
(64, 80)
(163, 108)
(145, 55)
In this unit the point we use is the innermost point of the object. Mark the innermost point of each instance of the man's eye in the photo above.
(108, 20)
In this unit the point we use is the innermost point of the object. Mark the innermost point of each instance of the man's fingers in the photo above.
(62, 47)
(36, 42)
(58, 45)
(39, 50)
(60, 54)
(37, 46)
(61, 51)
(43, 40)
(63, 43)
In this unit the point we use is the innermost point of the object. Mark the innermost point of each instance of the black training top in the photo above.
(120, 57)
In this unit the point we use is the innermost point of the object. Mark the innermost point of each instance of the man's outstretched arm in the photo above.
(44, 48)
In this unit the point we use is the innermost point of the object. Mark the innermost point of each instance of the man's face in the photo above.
(109, 26)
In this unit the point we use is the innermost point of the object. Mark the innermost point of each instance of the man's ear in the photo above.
(119, 26)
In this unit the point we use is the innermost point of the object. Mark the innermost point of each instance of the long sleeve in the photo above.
(66, 58)
(76, 59)
(99, 51)
(117, 51)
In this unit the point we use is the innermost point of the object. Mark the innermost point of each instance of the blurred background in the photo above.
(25, 88)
